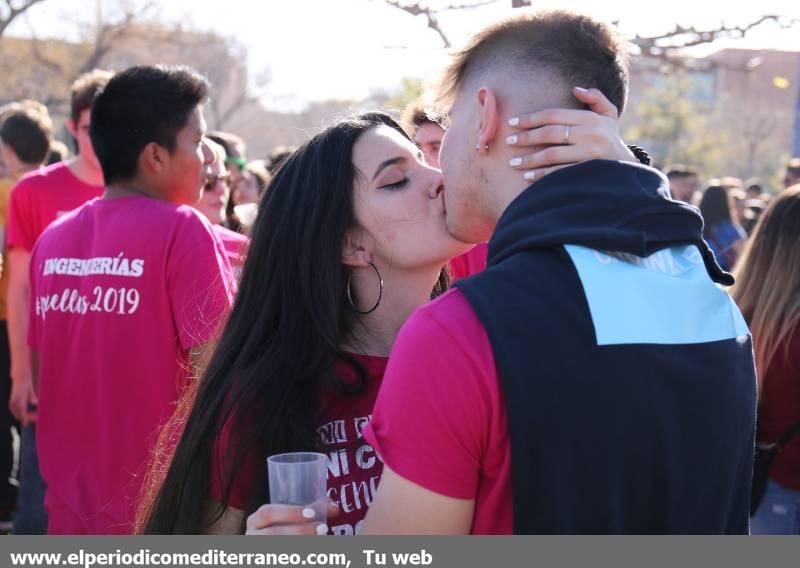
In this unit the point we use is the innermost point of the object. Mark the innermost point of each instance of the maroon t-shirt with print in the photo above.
(354, 469)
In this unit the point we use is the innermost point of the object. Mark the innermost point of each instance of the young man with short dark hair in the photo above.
(36, 201)
(595, 378)
(125, 291)
(684, 183)
(25, 134)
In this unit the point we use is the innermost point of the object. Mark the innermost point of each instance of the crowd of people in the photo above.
(494, 317)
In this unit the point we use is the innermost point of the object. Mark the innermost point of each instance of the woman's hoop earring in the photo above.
(380, 292)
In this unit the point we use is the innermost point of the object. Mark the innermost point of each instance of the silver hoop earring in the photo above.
(380, 292)
(478, 147)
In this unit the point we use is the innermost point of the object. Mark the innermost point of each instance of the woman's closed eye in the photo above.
(395, 185)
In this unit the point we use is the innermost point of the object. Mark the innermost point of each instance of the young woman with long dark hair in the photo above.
(721, 230)
(349, 240)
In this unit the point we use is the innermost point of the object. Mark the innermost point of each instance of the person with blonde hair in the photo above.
(767, 290)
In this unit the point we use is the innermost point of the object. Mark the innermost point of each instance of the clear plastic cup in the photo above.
(299, 478)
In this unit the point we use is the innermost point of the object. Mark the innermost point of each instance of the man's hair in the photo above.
(217, 149)
(679, 171)
(415, 115)
(84, 90)
(140, 105)
(229, 142)
(754, 184)
(582, 51)
(278, 156)
(793, 167)
(28, 129)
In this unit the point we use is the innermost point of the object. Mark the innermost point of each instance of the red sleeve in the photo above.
(432, 419)
(21, 230)
(199, 281)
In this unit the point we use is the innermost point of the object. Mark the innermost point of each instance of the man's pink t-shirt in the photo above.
(41, 197)
(440, 418)
(469, 263)
(120, 290)
(235, 248)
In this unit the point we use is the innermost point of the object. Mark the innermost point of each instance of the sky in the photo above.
(346, 49)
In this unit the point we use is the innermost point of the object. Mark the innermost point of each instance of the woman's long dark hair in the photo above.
(716, 207)
(279, 345)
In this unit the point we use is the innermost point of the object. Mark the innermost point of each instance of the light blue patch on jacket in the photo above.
(666, 298)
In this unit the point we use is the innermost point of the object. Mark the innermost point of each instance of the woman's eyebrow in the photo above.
(385, 164)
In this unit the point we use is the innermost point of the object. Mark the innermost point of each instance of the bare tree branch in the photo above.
(666, 47)
(242, 98)
(12, 10)
(108, 34)
(417, 9)
(451, 7)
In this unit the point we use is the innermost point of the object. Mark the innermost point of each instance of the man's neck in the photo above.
(504, 185)
(129, 188)
(24, 169)
(85, 172)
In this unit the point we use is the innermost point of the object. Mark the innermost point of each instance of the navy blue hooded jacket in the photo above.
(626, 368)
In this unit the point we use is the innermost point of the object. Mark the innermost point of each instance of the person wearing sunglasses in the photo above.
(213, 205)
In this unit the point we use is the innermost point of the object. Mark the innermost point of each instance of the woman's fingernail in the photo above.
(511, 139)
(309, 513)
(322, 529)
(530, 176)
(581, 89)
(513, 121)
(515, 161)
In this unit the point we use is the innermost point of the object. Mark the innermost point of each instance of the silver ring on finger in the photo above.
(566, 133)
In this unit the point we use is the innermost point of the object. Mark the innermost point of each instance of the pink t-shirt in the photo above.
(235, 248)
(440, 418)
(469, 263)
(41, 197)
(120, 290)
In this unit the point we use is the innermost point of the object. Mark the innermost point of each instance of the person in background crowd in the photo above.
(721, 229)
(147, 283)
(59, 152)
(214, 203)
(517, 403)
(278, 156)
(754, 188)
(426, 132)
(235, 162)
(235, 150)
(337, 262)
(767, 290)
(36, 201)
(254, 183)
(25, 133)
(684, 183)
(791, 176)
